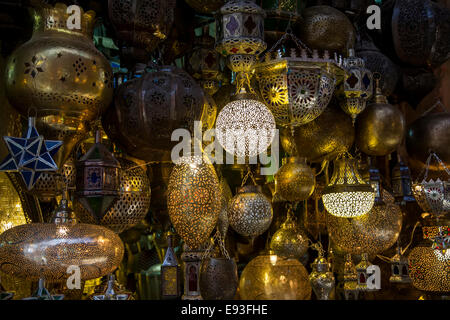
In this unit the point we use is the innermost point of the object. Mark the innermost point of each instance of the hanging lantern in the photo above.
(297, 89)
(429, 132)
(148, 109)
(289, 241)
(419, 31)
(401, 182)
(193, 199)
(240, 34)
(399, 268)
(325, 137)
(205, 6)
(433, 196)
(270, 277)
(170, 273)
(350, 279)
(327, 28)
(357, 87)
(30, 155)
(49, 184)
(375, 182)
(380, 128)
(322, 279)
(377, 62)
(372, 233)
(60, 73)
(245, 127)
(46, 250)
(142, 24)
(347, 195)
(11, 212)
(295, 180)
(132, 204)
(97, 179)
(250, 212)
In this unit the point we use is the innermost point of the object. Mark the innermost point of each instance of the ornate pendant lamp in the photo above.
(297, 89)
(357, 87)
(347, 195)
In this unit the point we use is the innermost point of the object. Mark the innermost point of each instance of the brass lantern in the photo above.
(295, 180)
(97, 179)
(357, 85)
(194, 199)
(322, 279)
(46, 250)
(250, 212)
(240, 34)
(132, 204)
(347, 195)
(297, 89)
(11, 212)
(401, 183)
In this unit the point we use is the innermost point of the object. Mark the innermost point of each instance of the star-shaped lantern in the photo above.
(30, 155)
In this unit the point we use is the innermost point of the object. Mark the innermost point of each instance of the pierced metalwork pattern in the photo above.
(297, 89)
(194, 199)
(218, 279)
(433, 196)
(133, 203)
(250, 212)
(46, 250)
(295, 180)
(429, 269)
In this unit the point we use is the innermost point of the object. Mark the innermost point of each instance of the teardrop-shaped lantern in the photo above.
(194, 199)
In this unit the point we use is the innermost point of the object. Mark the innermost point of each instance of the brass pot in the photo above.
(295, 180)
(380, 128)
(325, 137)
(327, 28)
(59, 72)
(218, 279)
(431, 132)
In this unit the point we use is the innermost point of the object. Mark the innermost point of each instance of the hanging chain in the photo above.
(427, 166)
(249, 174)
(242, 79)
(217, 237)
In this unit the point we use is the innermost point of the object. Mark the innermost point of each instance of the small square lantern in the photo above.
(97, 179)
(401, 183)
(361, 270)
(399, 268)
(375, 182)
(170, 273)
(192, 259)
(350, 279)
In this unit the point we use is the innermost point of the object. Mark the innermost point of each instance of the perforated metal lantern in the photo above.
(347, 195)
(142, 24)
(194, 199)
(46, 250)
(295, 180)
(11, 212)
(250, 212)
(357, 85)
(433, 196)
(240, 34)
(218, 279)
(97, 185)
(297, 89)
(132, 204)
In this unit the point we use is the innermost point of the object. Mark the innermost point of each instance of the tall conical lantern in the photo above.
(97, 184)
(194, 199)
(60, 75)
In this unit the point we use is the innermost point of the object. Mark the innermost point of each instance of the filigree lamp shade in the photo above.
(133, 203)
(429, 269)
(357, 85)
(245, 127)
(297, 89)
(372, 233)
(250, 212)
(347, 195)
(271, 277)
(194, 199)
(295, 180)
(11, 212)
(240, 34)
(46, 250)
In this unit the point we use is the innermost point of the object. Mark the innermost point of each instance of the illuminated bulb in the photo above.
(348, 195)
(273, 259)
(245, 127)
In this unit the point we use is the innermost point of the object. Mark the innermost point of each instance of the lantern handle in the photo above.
(427, 166)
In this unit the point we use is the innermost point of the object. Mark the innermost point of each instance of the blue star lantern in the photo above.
(30, 155)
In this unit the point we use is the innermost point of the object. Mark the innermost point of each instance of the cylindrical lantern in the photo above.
(250, 212)
(270, 277)
(193, 199)
(218, 279)
(347, 195)
(295, 180)
(133, 203)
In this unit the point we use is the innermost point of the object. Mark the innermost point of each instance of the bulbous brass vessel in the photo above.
(327, 28)
(325, 137)
(295, 180)
(431, 132)
(380, 128)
